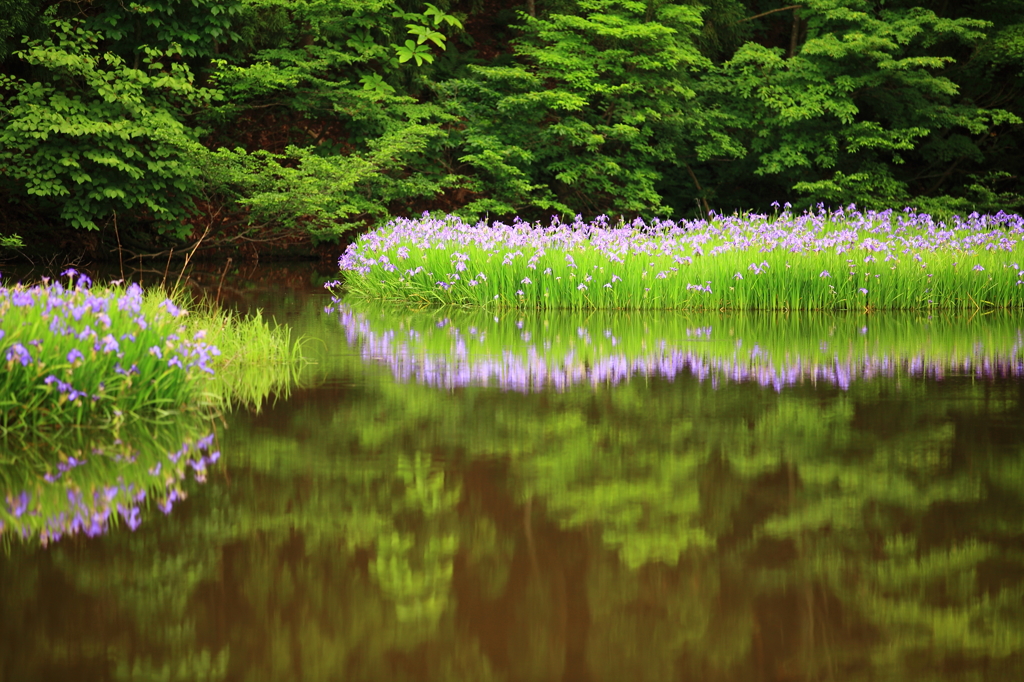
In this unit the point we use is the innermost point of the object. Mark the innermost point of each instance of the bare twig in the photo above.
(703, 200)
(226, 266)
(163, 282)
(120, 251)
(771, 11)
(190, 254)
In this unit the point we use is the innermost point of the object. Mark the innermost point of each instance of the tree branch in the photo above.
(794, 34)
(764, 14)
(703, 200)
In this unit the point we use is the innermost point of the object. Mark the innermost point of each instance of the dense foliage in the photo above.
(262, 123)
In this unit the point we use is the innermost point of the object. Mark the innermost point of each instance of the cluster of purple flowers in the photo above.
(874, 231)
(650, 255)
(67, 389)
(97, 333)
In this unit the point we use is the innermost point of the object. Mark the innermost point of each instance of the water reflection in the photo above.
(655, 528)
(84, 481)
(519, 351)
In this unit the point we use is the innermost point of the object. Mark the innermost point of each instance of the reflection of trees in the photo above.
(800, 494)
(875, 583)
(651, 530)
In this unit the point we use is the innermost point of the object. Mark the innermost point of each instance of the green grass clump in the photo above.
(83, 356)
(842, 260)
(257, 360)
(97, 357)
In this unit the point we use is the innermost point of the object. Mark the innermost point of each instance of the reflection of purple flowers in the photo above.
(130, 515)
(64, 508)
(19, 504)
(63, 467)
(529, 367)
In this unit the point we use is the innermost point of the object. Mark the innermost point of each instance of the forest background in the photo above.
(264, 127)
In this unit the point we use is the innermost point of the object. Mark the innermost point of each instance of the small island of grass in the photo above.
(844, 259)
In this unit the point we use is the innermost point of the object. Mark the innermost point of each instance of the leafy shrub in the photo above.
(600, 105)
(97, 136)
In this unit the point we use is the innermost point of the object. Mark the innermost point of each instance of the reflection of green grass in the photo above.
(776, 342)
(83, 481)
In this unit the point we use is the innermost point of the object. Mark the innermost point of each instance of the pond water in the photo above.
(458, 495)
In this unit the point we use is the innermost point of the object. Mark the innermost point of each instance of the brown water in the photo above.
(507, 514)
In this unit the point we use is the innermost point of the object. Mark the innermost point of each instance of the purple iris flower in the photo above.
(174, 310)
(20, 353)
(110, 344)
(21, 299)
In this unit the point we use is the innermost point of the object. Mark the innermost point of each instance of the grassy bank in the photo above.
(79, 356)
(827, 260)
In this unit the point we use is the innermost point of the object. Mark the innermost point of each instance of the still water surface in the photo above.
(492, 496)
